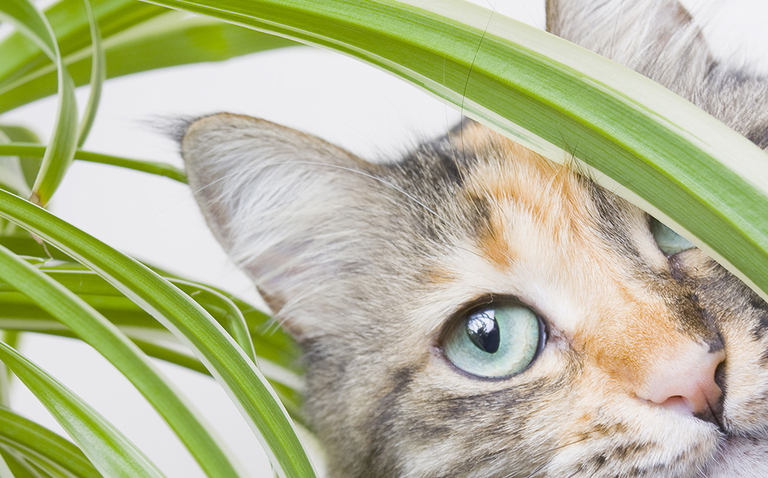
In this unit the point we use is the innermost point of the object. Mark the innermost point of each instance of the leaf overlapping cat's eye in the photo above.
(668, 240)
(495, 340)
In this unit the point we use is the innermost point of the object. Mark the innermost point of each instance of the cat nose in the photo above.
(685, 382)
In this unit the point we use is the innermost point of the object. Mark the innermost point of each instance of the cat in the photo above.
(475, 310)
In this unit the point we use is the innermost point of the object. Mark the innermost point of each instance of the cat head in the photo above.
(475, 310)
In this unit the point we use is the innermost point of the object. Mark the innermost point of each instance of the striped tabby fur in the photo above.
(654, 364)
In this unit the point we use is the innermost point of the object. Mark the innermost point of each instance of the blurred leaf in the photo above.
(30, 165)
(110, 452)
(98, 75)
(109, 341)
(24, 434)
(5, 470)
(14, 462)
(12, 338)
(169, 40)
(21, 56)
(11, 174)
(234, 371)
(61, 149)
(27, 19)
(160, 169)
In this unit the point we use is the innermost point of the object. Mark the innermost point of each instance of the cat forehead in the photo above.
(523, 204)
(545, 234)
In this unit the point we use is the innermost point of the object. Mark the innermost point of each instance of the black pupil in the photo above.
(483, 331)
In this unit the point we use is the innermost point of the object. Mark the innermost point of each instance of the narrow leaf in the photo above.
(16, 464)
(62, 147)
(98, 332)
(98, 75)
(24, 434)
(105, 446)
(29, 165)
(551, 96)
(22, 56)
(28, 20)
(169, 40)
(160, 169)
(236, 373)
(5, 470)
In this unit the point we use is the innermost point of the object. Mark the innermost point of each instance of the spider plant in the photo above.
(58, 280)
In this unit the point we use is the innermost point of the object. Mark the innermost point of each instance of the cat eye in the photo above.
(668, 240)
(495, 340)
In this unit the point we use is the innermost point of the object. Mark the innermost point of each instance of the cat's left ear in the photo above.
(289, 208)
(657, 38)
(661, 40)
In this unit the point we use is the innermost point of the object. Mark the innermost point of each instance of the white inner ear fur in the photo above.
(282, 203)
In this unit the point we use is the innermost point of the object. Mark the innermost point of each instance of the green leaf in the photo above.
(11, 174)
(60, 151)
(28, 20)
(98, 332)
(160, 169)
(98, 75)
(20, 313)
(16, 465)
(12, 338)
(169, 40)
(236, 373)
(110, 452)
(29, 165)
(551, 96)
(36, 440)
(5, 470)
(22, 56)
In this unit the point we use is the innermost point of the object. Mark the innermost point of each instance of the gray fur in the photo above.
(366, 265)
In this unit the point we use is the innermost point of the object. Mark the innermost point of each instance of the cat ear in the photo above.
(660, 39)
(657, 38)
(286, 206)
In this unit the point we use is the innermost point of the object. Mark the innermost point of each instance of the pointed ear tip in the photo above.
(188, 129)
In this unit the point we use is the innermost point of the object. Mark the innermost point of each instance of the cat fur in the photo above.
(366, 265)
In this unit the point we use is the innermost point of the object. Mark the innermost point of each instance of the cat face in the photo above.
(645, 358)
(475, 310)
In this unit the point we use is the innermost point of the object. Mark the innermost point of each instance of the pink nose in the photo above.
(685, 382)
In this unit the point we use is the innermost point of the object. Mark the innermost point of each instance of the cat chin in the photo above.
(740, 457)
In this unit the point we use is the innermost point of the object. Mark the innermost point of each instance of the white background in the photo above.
(155, 219)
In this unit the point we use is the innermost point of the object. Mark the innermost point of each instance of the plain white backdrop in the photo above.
(154, 219)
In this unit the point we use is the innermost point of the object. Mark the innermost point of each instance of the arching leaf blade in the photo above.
(109, 451)
(24, 434)
(30, 165)
(98, 75)
(236, 373)
(62, 146)
(627, 132)
(169, 40)
(98, 332)
(37, 151)
(67, 18)
(28, 20)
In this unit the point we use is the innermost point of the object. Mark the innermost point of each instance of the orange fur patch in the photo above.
(515, 175)
(629, 332)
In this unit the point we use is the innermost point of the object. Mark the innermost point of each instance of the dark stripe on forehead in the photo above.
(612, 214)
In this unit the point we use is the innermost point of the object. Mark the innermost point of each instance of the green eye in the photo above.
(668, 240)
(496, 340)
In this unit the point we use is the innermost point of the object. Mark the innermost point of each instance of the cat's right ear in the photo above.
(661, 40)
(288, 208)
